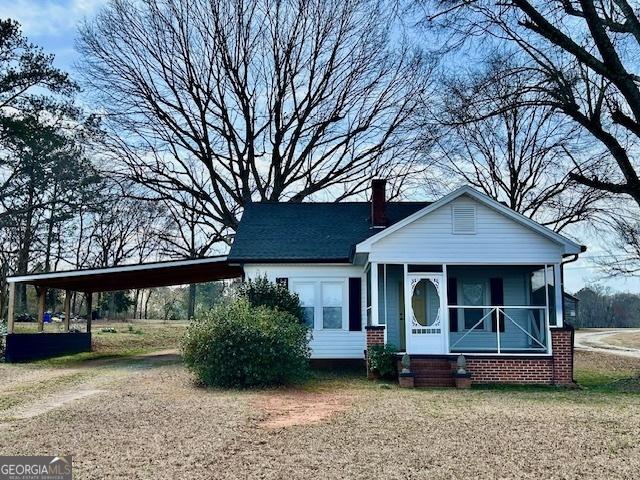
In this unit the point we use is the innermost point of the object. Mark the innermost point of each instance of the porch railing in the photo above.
(499, 329)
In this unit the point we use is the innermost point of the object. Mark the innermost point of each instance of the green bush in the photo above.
(262, 292)
(237, 344)
(383, 359)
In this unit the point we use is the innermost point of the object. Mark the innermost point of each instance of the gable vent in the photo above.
(464, 219)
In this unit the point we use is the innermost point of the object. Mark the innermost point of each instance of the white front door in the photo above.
(424, 313)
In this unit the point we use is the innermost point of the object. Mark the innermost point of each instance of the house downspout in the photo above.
(574, 257)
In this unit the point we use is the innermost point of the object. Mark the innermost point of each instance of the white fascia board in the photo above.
(123, 268)
(569, 245)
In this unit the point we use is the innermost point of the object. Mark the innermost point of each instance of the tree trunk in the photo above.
(191, 301)
(24, 252)
(136, 300)
(146, 304)
(50, 230)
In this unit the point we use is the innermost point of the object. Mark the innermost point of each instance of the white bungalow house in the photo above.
(462, 275)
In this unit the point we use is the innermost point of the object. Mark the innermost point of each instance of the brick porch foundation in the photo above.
(555, 370)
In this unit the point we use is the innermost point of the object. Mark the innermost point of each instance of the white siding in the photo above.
(498, 239)
(325, 344)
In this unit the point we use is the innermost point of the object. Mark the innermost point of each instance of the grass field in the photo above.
(127, 413)
(129, 338)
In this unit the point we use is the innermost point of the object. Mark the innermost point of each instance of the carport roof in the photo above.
(126, 277)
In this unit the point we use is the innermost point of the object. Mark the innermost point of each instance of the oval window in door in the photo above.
(425, 303)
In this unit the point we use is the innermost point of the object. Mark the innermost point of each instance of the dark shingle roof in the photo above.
(308, 231)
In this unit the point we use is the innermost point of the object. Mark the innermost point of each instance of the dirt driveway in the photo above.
(609, 340)
(143, 418)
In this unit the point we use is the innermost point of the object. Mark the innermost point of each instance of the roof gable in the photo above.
(570, 247)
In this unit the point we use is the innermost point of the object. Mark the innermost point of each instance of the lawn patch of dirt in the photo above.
(291, 408)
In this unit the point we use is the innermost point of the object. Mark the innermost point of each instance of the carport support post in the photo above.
(11, 307)
(89, 310)
(42, 293)
(67, 309)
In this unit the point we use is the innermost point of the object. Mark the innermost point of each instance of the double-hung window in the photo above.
(322, 302)
(332, 305)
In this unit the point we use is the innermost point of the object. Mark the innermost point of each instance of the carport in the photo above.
(25, 346)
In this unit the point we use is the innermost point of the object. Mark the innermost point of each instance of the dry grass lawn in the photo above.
(142, 417)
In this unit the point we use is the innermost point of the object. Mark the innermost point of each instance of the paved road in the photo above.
(595, 340)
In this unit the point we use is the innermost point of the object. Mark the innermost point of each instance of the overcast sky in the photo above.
(52, 24)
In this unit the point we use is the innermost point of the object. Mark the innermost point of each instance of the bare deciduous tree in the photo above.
(516, 153)
(274, 100)
(581, 56)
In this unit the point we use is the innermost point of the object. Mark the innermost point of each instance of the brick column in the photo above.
(375, 336)
(562, 342)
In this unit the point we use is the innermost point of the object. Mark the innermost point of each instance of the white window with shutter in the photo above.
(463, 219)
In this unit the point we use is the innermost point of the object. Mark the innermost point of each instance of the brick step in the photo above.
(426, 373)
(433, 374)
(426, 362)
(431, 363)
(434, 382)
(420, 368)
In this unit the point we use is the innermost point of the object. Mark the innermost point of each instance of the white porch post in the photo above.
(384, 298)
(546, 294)
(407, 301)
(546, 311)
(445, 294)
(557, 283)
(374, 294)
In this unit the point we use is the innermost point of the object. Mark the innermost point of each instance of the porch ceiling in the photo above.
(159, 274)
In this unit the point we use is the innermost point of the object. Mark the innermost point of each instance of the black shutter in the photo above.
(496, 286)
(452, 299)
(355, 304)
(283, 282)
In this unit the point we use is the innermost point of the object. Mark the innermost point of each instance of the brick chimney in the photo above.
(378, 200)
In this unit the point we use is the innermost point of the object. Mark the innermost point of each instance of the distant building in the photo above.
(570, 308)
